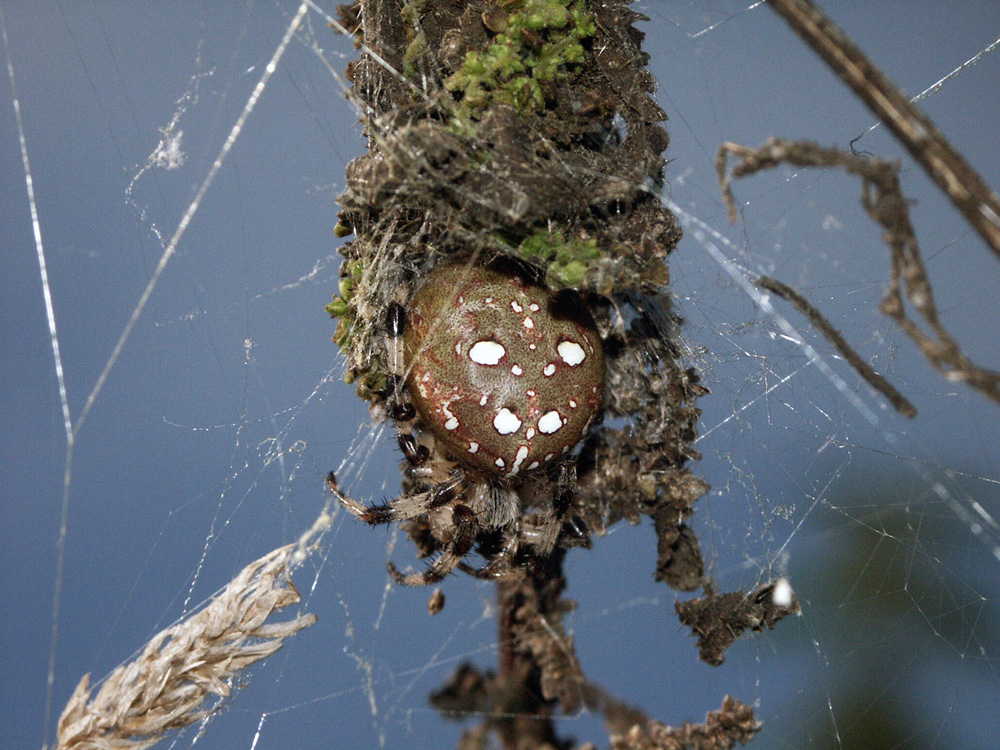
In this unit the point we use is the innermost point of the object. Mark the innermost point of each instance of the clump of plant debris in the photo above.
(557, 159)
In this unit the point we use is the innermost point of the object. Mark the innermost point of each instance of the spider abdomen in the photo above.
(507, 374)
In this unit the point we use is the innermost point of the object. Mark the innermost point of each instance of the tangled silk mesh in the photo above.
(885, 528)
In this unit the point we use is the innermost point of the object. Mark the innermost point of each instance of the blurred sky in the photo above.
(208, 443)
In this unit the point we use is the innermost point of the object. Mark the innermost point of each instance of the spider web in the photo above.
(201, 422)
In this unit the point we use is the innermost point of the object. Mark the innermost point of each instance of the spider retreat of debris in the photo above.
(495, 379)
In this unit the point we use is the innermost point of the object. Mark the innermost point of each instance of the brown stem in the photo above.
(960, 182)
(899, 402)
(505, 633)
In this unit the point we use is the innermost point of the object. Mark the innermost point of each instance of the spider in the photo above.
(495, 379)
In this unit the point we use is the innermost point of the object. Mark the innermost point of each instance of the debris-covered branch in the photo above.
(732, 725)
(518, 133)
(720, 619)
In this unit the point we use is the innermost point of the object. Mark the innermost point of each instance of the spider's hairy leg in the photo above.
(499, 565)
(395, 326)
(466, 528)
(400, 409)
(413, 452)
(556, 523)
(401, 508)
(542, 531)
(374, 515)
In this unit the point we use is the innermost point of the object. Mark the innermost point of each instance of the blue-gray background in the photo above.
(208, 444)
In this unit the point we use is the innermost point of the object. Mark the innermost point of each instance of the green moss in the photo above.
(364, 372)
(367, 382)
(540, 44)
(569, 260)
(340, 306)
(412, 10)
(416, 45)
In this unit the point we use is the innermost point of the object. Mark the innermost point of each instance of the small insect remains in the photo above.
(496, 378)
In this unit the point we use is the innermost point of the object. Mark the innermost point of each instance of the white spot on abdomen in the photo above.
(516, 370)
(522, 453)
(529, 323)
(486, 352)
(506, 422)
(515, 307)
(452, 422)
(473, 447)
(549, 371)
(549, 422)
(571, 352)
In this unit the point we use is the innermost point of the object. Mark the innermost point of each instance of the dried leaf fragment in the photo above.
(719, 619)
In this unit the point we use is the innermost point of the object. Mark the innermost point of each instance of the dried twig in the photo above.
(883, 200)
(865, 370)
(966, 189)
(166, 686)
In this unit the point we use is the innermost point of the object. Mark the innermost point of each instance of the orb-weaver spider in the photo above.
(495, 379)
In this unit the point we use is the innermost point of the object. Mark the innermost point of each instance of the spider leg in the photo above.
(558, 523)
(499, 565)
(400, 408)
(450, 557)
(416, 454)
(401, 508)
(542, 532)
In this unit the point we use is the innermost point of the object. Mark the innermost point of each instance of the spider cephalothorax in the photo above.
(507, 376)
